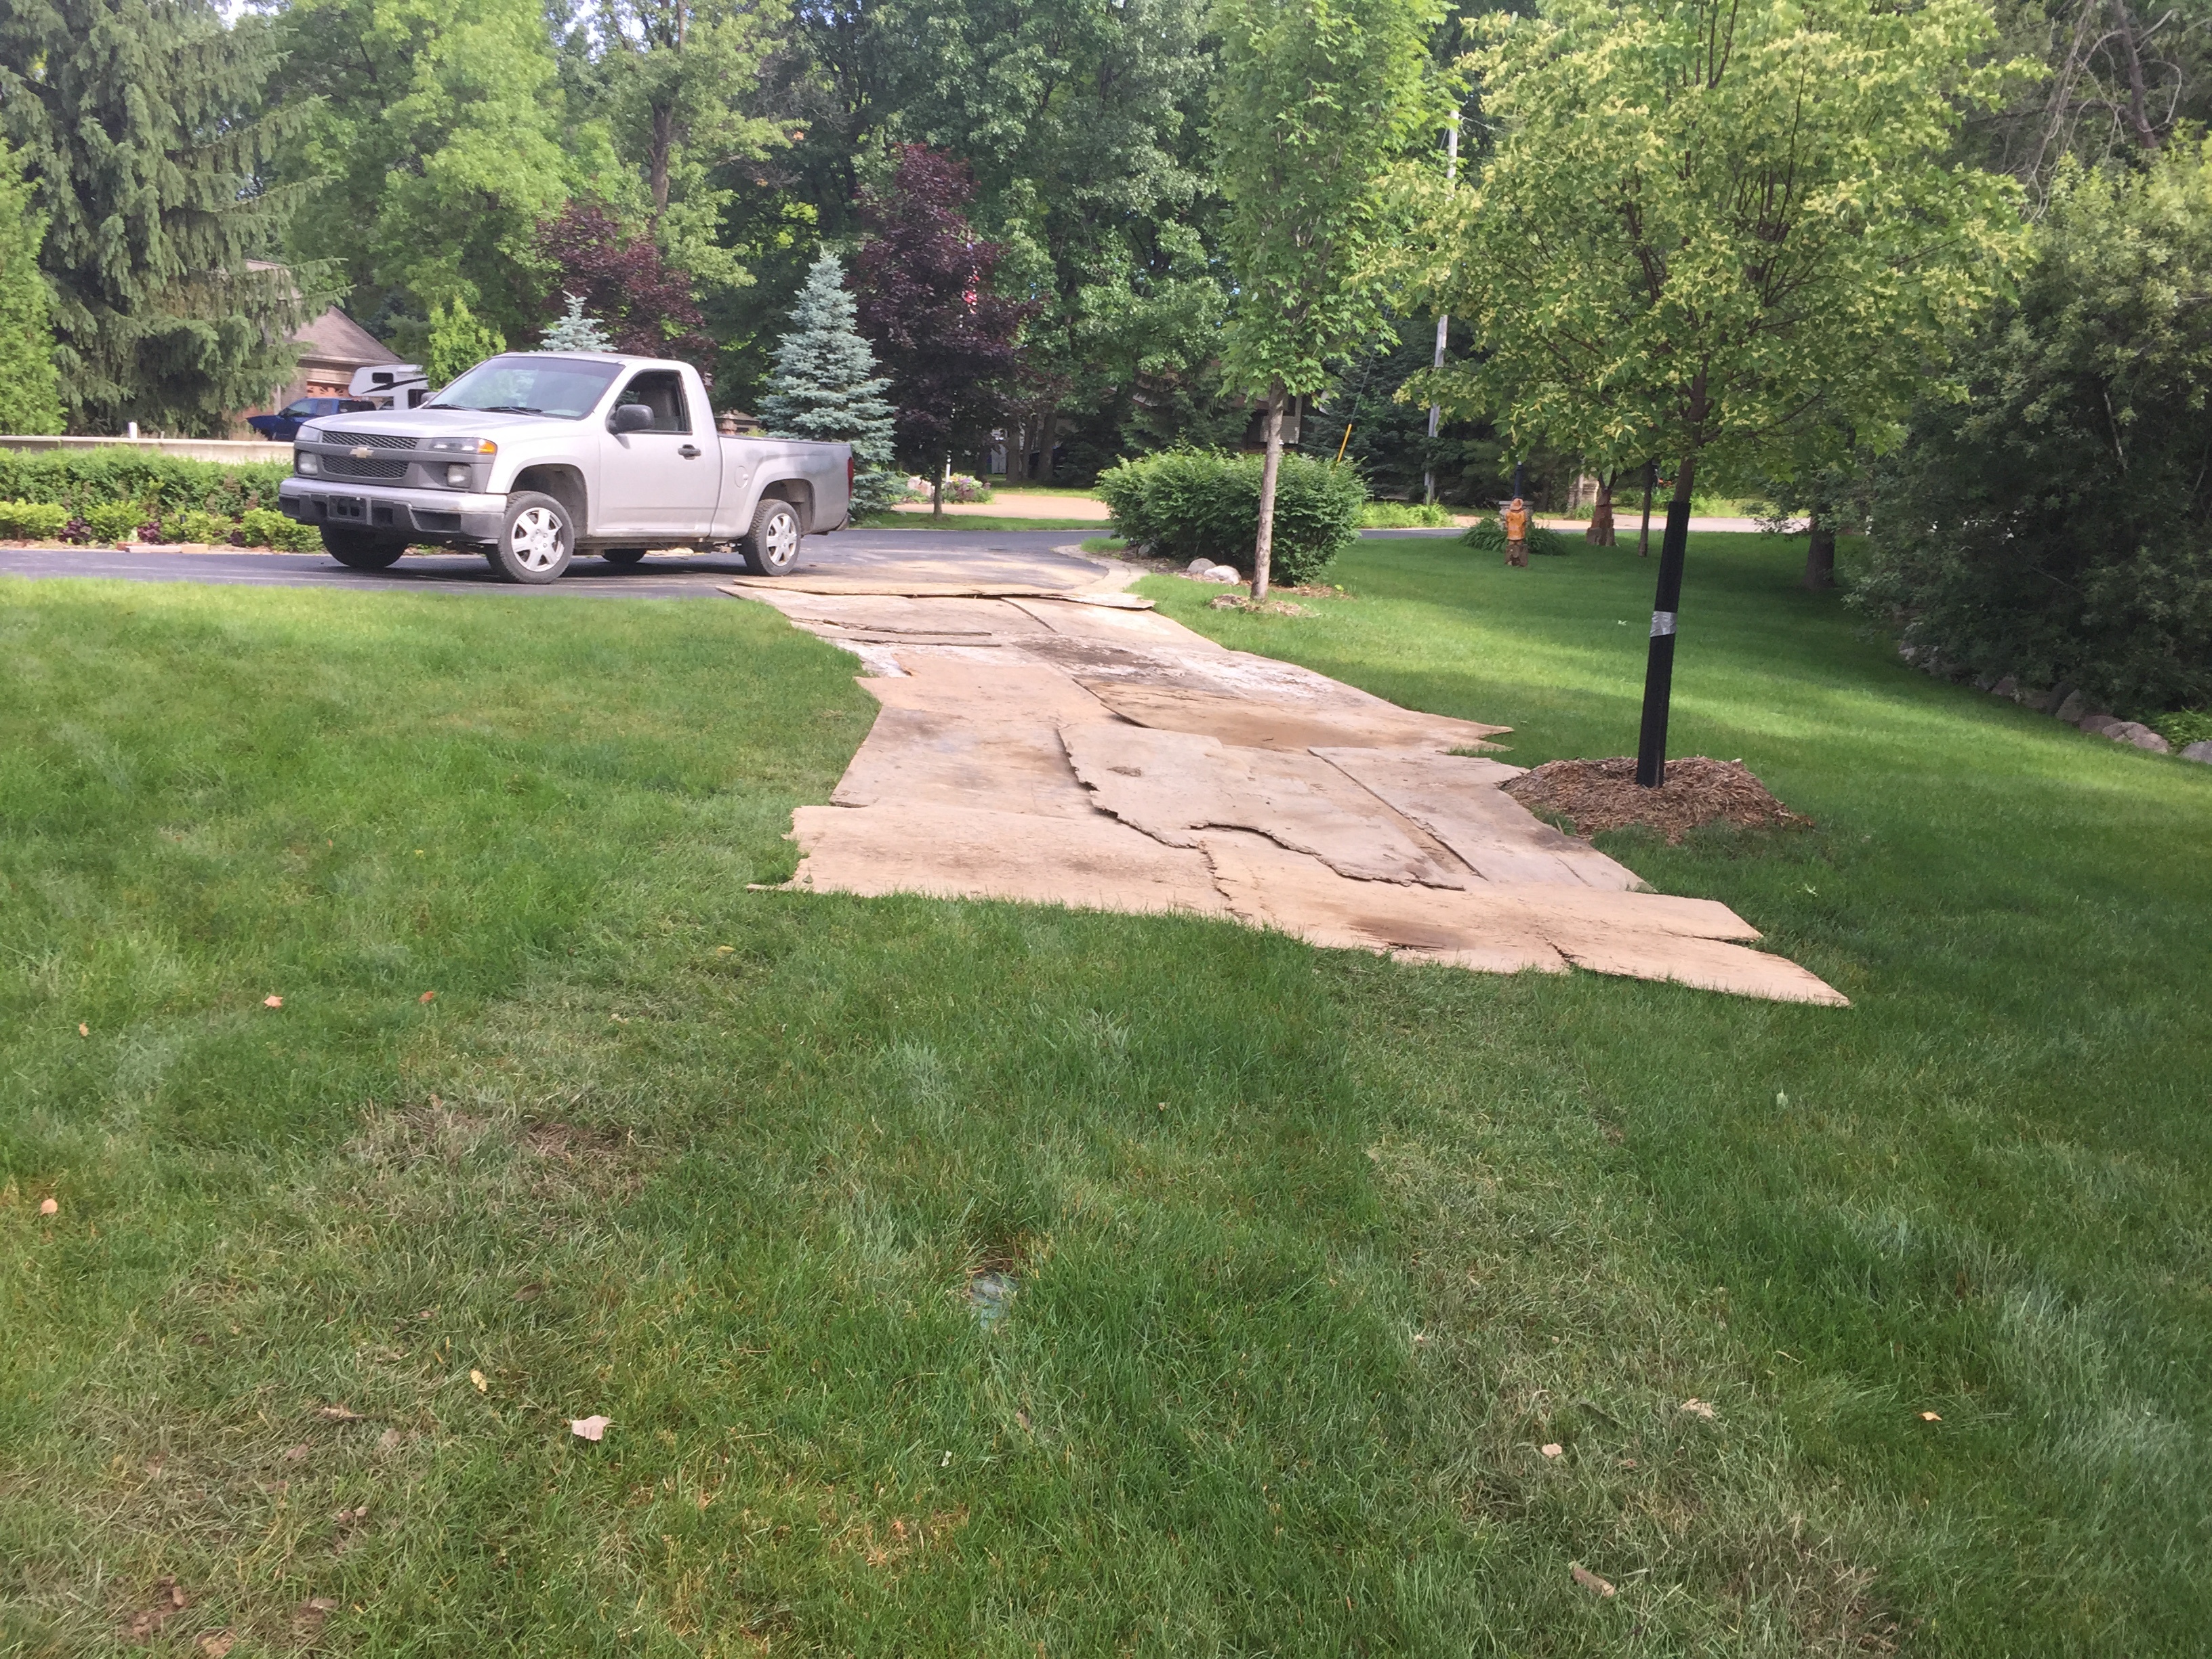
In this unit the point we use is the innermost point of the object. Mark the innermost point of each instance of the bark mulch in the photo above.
(1603, 794)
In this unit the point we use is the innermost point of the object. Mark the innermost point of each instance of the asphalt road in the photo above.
(1028, 555)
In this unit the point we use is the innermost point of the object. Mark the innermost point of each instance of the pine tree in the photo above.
(574, 331)
(459, 341)
(824, 386)
(30, 399)
(141, 124)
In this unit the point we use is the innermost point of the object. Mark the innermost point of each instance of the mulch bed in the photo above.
(1603, 794)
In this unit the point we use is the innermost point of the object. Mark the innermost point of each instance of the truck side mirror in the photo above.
(629, 418)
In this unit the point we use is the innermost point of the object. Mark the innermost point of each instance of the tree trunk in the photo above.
(1819, 554)
(1048, 441)
(1273, 465)
(2138, 103)
(1600, 533)
(1651, 483)
(661, 144)
(1659, 663)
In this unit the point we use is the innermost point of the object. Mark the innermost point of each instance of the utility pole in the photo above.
(1436, 411)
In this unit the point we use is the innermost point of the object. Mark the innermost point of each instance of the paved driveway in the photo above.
(1022, 556)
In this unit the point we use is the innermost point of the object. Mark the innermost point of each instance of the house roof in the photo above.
(335, 338)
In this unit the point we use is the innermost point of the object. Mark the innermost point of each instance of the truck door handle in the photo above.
(689, 451)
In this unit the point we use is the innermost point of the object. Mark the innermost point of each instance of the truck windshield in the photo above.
(563, 387)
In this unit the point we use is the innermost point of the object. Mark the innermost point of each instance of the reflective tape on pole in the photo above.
(1662, 623)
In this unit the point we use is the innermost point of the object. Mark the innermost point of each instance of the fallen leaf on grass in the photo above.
(338, 1413)
(589, 1428)
(272, 1002)
(477, 1378)
(167, 1598)
(1698, 1408)
(427, 996)
(529, 1293)
(1590, 1581)
(295, 1453)
(49, 1207)
(83, 1030)
(1929, 1417)
(218, 1643)
(1552, 1449)
(724, 950)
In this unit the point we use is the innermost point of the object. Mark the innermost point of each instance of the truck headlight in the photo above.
(457, 475)
(307, 463)
(461, 445)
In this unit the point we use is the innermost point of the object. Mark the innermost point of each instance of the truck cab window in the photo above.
(661, 391)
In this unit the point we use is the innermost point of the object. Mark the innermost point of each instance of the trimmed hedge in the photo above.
(117, 495)
(1185, 504)
(155, 484)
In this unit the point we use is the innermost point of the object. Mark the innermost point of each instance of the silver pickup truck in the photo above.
(532, 457)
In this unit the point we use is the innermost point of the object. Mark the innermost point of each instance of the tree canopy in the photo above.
(30, 394)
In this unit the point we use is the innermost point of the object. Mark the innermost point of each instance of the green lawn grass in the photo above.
(1315, 1252)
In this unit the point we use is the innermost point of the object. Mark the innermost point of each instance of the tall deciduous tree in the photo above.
(30, 398)
(825, 386)
(1725, 233)
(436, 139)
(924, 278)
(617, 271)
(675, 75)
(1317, 102)
(142, 132)
(459, 341)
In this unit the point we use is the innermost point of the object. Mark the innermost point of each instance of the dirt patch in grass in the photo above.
(1603, 794)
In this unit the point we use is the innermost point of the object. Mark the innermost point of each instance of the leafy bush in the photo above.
(1488, 535)
(112, 521)
(1185, 504)
(32, 521)
(155, 484)
(194, 526)
(264, 526)
(2187, 727)
(2057, 526)
(1404, 515)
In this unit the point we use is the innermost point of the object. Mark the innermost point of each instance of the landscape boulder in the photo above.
(2199, 751)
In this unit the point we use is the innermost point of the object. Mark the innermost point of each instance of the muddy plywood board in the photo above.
(985, 688)
(1457, 800)
(925, 756)
(1175, 785)
(1709, 964)
(1268, 885)
(1092, 863)
(1294, 719)
(1145, 630)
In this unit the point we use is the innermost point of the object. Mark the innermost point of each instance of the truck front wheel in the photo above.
(538, 541)
(356, 549)
(772, 548)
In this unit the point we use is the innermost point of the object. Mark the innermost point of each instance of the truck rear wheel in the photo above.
(357, 549)
(771, 548)
(538, 540)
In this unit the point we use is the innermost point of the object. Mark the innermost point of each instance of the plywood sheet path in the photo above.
(1033, 747)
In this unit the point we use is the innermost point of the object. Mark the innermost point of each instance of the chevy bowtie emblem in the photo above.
(361, 451)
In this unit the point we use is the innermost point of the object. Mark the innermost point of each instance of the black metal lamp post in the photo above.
(1659, 665)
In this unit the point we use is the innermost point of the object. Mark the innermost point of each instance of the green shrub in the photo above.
(1185, 504)
(154, 484)
(194, 526)
(1488, 535)
(2184, 726)
(112, 521)
(32, 521)
(1404, 515)
(264, 526)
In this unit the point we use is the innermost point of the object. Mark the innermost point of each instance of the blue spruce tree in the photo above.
(824, 386)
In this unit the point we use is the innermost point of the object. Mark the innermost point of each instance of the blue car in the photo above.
(284, 425)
